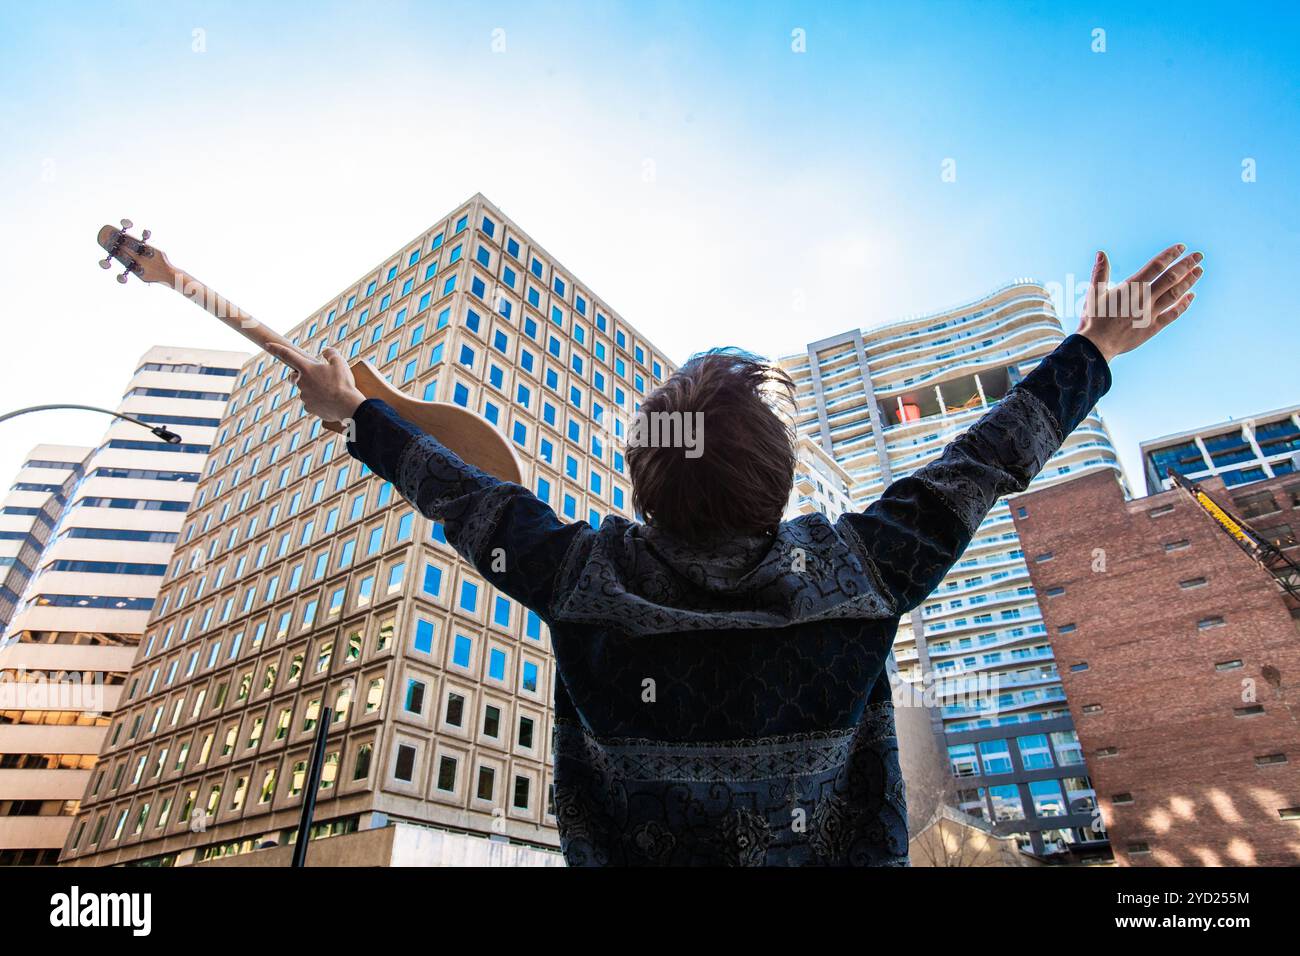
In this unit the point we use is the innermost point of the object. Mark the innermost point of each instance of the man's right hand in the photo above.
(328, 389)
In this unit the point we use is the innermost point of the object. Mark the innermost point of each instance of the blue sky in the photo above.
(710, 183)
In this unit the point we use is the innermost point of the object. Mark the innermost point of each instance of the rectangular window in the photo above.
(405, 768)
(423, 640)
(461, 653)
(469, 596)
(455, 713)
(414, 702)
(447, 774)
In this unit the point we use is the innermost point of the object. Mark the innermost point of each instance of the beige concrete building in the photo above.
(303, 581)
(30, 511)
(820, 483)
(108, 519)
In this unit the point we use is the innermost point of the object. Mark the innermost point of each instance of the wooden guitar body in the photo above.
(472, 438)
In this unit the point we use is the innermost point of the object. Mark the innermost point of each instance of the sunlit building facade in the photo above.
(303, 582)
(1249, 449)
(883, 403)
(31, 509)
(103, 523)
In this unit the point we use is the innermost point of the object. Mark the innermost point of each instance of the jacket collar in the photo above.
(642, 580)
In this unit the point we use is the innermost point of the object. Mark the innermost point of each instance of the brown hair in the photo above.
(738, 479)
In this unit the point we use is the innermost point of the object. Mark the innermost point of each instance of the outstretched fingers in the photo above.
(1175, 273)
(1152, 270)
(1174, 291)
(1178, 308)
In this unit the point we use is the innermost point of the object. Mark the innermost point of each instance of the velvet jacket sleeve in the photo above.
(923, 522)
(508, 534)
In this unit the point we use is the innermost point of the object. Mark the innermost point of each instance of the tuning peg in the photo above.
(144, 236)
(127, 224)
(106, 263)
(122, 277)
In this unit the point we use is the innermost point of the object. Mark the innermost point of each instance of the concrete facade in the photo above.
(100, 545)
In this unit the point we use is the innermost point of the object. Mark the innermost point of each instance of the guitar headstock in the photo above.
(136, 255)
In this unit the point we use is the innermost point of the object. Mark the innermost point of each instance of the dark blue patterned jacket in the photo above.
(728, 703)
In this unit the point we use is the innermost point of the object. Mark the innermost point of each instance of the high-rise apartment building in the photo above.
(885, 402)
(104, 523)
(30, 511)
(820, 484)
(1238, 452)
(1180, 654)
(302, 582)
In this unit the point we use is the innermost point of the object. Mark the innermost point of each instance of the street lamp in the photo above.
(165, 434)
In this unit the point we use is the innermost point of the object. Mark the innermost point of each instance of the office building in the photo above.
(1179, 655)
(104, 523)
(1237, 452)
(885, 402)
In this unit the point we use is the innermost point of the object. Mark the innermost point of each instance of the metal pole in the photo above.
(313, 782)
(165, 434)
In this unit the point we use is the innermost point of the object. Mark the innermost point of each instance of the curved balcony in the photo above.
(999, 358)
(989, 300)
(1029, 308)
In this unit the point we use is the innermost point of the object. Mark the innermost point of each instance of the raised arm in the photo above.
(508, 534)
(922, 523)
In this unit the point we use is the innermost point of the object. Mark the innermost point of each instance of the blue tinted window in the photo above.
(432, 580)
(469, 596)
(423, 636)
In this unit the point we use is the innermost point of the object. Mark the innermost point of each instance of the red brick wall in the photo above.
(1199, 797)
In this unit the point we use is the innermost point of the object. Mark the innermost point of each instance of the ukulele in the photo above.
(473, 439)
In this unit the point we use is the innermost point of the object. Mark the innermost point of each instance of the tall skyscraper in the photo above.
(304, 582)
(1250, 449)
(104, 522)
(885, 402)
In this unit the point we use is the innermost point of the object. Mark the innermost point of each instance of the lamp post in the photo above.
(165, 434)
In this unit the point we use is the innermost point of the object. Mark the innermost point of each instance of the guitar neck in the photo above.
(229, 313)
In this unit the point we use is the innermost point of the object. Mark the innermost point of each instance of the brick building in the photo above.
(1181, 662)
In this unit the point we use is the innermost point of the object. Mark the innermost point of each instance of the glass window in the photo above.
(996, 756)
(961, 757)
(405, 767)
(1006, 803)
(1034, 752)
(461, 654)
(414, 702)
(1047, 798)
(423, 641)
